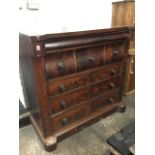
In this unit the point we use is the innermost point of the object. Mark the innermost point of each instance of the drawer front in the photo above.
(104, 86)
(89, 58)
(68, 83)
(104, 100)
(59, 64)
(63, 85)
(70, 117)
(107, 71)
(115, 51)
(82, 111)
(63, 102)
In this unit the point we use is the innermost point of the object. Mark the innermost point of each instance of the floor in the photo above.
(90, 141)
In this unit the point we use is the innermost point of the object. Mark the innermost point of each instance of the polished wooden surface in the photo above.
(82, 78)
(123, 13)
(72, 79)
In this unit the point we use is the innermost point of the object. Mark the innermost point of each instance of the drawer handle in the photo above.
(113, 72)
(62, 88)
(65, 121)
(115, 52)
(63, 104)
(112, 85)
(61, 66)
(110, 100)
(91, 59)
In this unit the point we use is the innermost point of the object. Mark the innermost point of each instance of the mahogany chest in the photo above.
(71, 80)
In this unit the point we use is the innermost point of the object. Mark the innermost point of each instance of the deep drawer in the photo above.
(71, 116)
(102, 87)
(83, 111)
(103, 100)
(70, 99)
(115, 51)
(59, 64)
(65, 84)
(89, 58)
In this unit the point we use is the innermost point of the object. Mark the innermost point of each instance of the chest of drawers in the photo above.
(71, 80)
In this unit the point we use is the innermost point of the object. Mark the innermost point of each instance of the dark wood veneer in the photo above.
(71, 80)
(83, 78)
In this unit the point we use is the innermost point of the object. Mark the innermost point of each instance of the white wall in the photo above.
(66, 15)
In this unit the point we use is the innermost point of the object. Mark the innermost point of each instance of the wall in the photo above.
(66, 15)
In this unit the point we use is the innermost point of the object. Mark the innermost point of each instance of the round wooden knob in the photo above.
(62, 88)
(113, 72)
(61, 66)
(115, 52)
(63, 104)
(65, 121)
(112, 85)
(111, 100)
(91, 59)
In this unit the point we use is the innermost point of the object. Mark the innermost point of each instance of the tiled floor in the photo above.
(90, 141)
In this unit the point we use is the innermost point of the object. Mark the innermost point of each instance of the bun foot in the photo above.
(121, 108)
